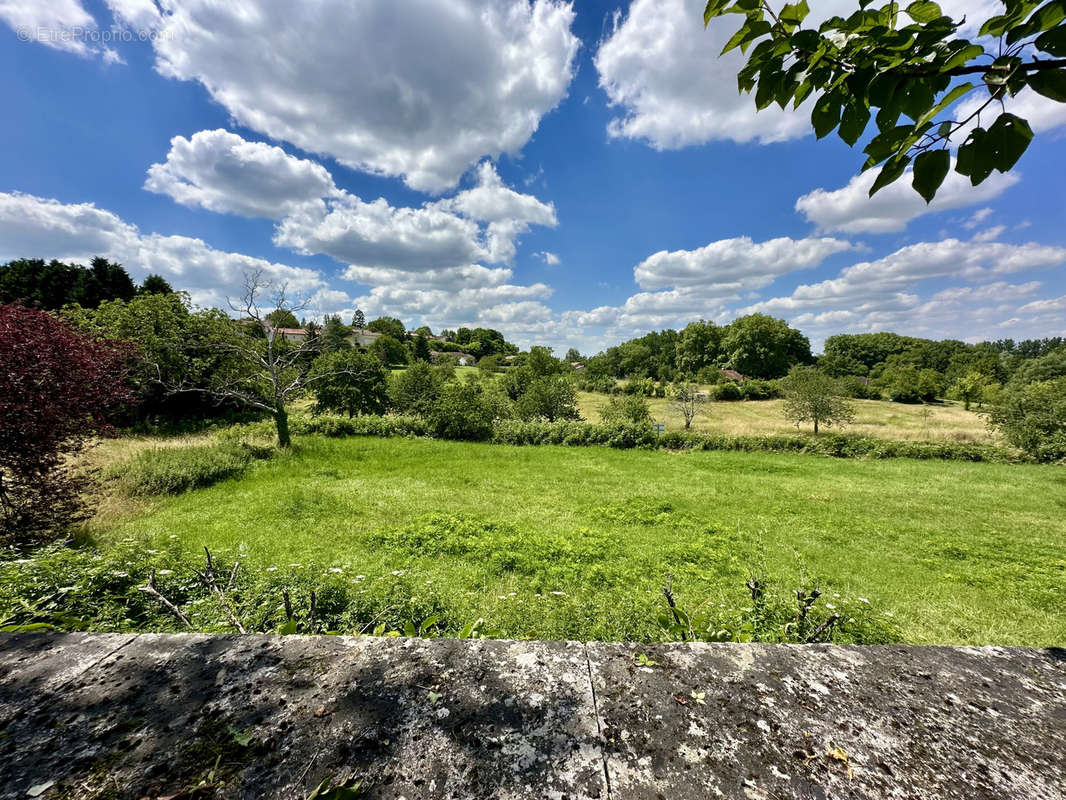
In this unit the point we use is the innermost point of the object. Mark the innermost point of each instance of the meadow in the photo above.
(556, 542)
(946, 421)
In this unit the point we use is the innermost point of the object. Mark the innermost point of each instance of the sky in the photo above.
(571, 174)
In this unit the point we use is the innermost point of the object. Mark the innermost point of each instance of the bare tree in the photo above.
(264, 369)
(687, 401)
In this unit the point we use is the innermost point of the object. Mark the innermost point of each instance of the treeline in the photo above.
(869, 365)
(53, 285)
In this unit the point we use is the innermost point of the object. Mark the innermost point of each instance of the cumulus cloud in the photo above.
(548, 258)
(30, 226)
(850, 209)
(1042, 113)
(420, 90)
(662, 70)
(891, 280)
(731, 265)
(59, 24)
(220, 171)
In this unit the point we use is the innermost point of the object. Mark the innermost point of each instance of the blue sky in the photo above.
(569, 174)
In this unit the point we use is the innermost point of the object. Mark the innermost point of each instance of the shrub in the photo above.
(416, 389)
(632, 409)
(727, 391)
(550, 397)
(858, 388)
(1032, 417)
(58, 387)
(757, 389)
(466, 410)
(173, 470)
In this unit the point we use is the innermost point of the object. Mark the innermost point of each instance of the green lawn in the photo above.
(575, 542)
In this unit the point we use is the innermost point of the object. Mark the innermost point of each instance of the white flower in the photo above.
(398, 571)
(166, 572)
(559, 594)
(864, 600)
(830, 606)
(272, 569)
(359, 577)
(889, 614)
(336, 570)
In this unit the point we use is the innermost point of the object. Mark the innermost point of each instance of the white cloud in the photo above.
(732, 265)
(1042, 113)
(34, 227)
(662, 69)
(420, 90)
(851, 209)
(220, 171)
(979, 216)
(989, 235)
(139, 15)
(548, 258)
(890, 281)
(59, 24)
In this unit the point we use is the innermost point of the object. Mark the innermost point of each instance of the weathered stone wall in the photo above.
(156, 716)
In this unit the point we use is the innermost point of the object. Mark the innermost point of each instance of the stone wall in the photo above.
(196, 716)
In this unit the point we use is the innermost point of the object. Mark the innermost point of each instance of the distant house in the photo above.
(577, 365)
(291, 334)
(733, 375)
(361, 337)
(463, 359)
(509, 358)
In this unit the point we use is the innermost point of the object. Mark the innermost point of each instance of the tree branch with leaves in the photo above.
(903, 67)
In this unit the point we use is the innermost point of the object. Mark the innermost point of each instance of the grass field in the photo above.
(575, 542)
(877, 418)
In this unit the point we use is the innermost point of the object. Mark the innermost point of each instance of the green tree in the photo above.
(283, 318)
(155, 284)
(698, 347)
(968, 388)
(1032, 417)
(540, 362)
(390, 326)
(467, 409)
(389, 350)
(812, 396)
(489, 365)
(359, 319)
(336, 335)
(572, 355)
(627, 408)
(905, 61)
(759, 346)
(55, 284)
(420, 349)
(350, 382)
(416, 389)
(548, 397)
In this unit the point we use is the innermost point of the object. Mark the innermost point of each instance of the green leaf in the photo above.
(853, 122)
(1053, 42)
(889, 173)
(1050, 83)
(976, 157)
(930, 169)
(1011, 136)
(826, 115)
(924, 11)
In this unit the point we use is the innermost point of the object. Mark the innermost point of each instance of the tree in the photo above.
(335, 335)
(698, 347)
(572, 356)
(155, 284)
(549, 397)
(968, 388)
(416, 389)
(687, 401)
(359, 319)
(812, 396)
(905, 61)
(262, 372)
(388, 350)
(350, 382)
(467, 410)
(540, 362)
(1032, 417)
(420, 349)
(760, 346)
(390, 326)
(59, 387)
(282, 318)
(489, 365)
(630, 408)
(55, 284)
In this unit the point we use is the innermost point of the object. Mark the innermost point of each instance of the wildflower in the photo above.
(830, 606)
(336, 570)
(166, 572)
(864, 600)
(889, 614)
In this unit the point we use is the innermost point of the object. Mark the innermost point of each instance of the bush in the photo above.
(416, 389)
(1032, 417)
(466, 410)
(858, 388)
(756, 389)
(367, 425)
(550, 397)
(726, 392)
(632, 409)
(173, 470)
